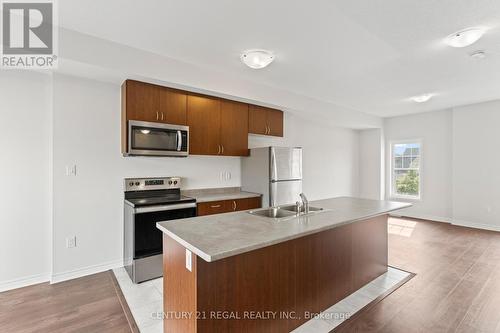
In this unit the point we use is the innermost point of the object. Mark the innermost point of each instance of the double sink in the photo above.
(284, 212)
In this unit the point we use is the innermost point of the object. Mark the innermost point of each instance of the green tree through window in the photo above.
(406, 169)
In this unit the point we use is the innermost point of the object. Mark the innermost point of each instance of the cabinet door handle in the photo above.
(234, 205)
(157, 115)
(215, 206)
(162, 116)
(222, 149)
(218, 151)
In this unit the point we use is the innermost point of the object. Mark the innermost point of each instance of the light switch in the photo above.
(188, 260)
(70, 170)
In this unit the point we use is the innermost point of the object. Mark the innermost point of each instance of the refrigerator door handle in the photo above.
(274, 166)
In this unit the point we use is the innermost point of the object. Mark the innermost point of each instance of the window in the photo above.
(405, 169)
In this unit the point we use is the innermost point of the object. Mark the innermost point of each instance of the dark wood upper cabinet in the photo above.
(234, 128)
(265, 121)
(275, 122)
(173, 106)
(149, 102)
(142, 101)
(257, 120)
(203, 119)
(216, 126)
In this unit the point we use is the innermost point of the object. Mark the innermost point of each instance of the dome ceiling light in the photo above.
(257, 59)
(464, 37)
(421, 98)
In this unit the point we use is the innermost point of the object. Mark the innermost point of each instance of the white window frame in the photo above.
(392, 193)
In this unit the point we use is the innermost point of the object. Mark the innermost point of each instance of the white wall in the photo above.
(25, 202)
(435, 131)
(371, 158)
(330, 156)
(476, 165)
(76, 121)
(87, 134)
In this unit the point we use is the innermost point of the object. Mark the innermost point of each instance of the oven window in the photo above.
(148, 238)
(144, 138)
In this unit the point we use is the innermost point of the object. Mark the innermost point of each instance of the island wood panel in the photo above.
(234, 128)
(179, 289)
(203, 119)
(308, 274)
(367, 251)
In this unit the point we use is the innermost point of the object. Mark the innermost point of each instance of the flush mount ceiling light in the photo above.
(257, 59)
(422, 98)
(464, 37)
(478, 54)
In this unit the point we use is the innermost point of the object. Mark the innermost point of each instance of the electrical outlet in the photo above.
(188, 260)
(71, 242)
(70, 170)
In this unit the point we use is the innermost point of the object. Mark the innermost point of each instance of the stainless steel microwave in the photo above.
(157, 139)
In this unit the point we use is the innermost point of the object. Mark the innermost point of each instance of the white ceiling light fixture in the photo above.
(464, 37)
(422, 98)
(480, 54)
(257, 59)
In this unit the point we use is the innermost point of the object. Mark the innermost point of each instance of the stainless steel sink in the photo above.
(284, 213)
(275, 213)
(293, 208)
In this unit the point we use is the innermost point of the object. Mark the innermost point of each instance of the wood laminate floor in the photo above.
(457, 286)
(88, 304)
(456, 289)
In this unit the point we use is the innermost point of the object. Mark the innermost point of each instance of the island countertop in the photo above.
(220, 236)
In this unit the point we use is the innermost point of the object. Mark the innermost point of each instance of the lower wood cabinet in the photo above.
(226, 206)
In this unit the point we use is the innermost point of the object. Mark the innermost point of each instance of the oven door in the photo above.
(156, 139)
(148, 240)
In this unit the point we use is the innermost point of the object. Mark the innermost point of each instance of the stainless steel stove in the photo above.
(148, 201)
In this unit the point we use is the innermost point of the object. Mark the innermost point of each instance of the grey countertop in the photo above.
(220, 236)
(216, 194)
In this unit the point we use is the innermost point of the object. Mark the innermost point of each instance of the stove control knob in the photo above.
(137, 183)
(175, 182)
(131, 184)
(169, 182)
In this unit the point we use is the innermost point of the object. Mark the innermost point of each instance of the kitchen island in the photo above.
(240, 272)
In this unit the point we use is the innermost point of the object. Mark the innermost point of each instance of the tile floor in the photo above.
(145, 302)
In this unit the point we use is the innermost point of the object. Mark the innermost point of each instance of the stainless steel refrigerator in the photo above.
(276, 172)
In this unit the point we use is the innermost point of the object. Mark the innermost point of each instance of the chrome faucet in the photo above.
(305, 203)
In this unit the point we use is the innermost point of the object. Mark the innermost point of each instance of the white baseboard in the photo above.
(84, 271)
(456, 222)
(476, 225)
(24, 282)
(426, 217)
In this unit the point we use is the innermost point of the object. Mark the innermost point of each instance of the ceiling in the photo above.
(370, 56)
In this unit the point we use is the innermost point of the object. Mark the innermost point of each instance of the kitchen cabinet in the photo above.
(226, 206)
(148, 102)
(140, 101)
(217, 126)
(173, 107)
(234, 128)
(265, 121)
(212, 207)
(203, 119)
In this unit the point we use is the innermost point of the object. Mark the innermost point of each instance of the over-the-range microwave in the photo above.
(157, 139)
